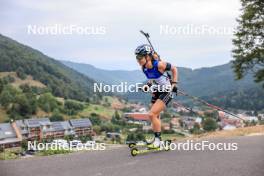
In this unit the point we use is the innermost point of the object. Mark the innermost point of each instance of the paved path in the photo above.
(247, 161)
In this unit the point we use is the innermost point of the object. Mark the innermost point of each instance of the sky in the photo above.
(105, 33)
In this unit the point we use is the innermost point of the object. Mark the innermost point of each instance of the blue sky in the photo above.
(121, 21)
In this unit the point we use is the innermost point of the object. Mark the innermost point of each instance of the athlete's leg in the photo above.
(154, 113)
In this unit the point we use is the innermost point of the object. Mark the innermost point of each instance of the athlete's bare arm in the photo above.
(162, 68)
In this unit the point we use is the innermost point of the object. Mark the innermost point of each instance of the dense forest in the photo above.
(61, 80)
(247, 99)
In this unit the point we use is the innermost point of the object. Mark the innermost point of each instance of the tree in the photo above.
(47, 102)
(20, 73)
(8, 79)
(8, 95)
(56, 116)
(85, 138)
(109, 127)
(95, 119)
(249, 41)
(25, 88)
(69, 137)
(97, 129)
(209, 124)
(196, 129)
(1, 85)
(23, 105)
(116, 118)
(72, 107)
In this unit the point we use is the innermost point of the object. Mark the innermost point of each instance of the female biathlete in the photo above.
(155, 69)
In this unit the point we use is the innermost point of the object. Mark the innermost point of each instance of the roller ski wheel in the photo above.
(132, 145)
(134, 151)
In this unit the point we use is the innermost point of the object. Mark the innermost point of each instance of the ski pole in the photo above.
(209, 105)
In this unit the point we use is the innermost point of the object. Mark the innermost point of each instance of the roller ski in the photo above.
(139, 144)
(149, 147)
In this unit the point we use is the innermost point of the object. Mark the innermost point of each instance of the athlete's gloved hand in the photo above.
(149, 83)
(146, 87)
(175, 89)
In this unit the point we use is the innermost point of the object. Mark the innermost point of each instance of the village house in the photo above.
(228, 122)
(137, 118)
(188, 121)
(137, 108)
(82, 127)
(177, 108)
(23, 129)
(62, 129)
(38, 128)
(9, 136)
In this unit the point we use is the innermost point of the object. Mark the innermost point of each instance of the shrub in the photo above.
(209, 124)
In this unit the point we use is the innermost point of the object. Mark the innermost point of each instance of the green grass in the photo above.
(7, 156)
(10, 154)
(52, 152)
(103, 111)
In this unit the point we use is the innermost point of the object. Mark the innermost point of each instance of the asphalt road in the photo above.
(248, 160)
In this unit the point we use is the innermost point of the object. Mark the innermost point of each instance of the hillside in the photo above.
(61, 80)
(17, 82)
(216, 84)
(200, 82)
(212, 80)
(106, 76)
(27, 98)
(247, 99)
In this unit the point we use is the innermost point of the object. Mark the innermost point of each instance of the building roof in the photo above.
(61, 126)
(76, 123)
(7, 134)
(137, 116)
(6, 131)
(37, 122)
